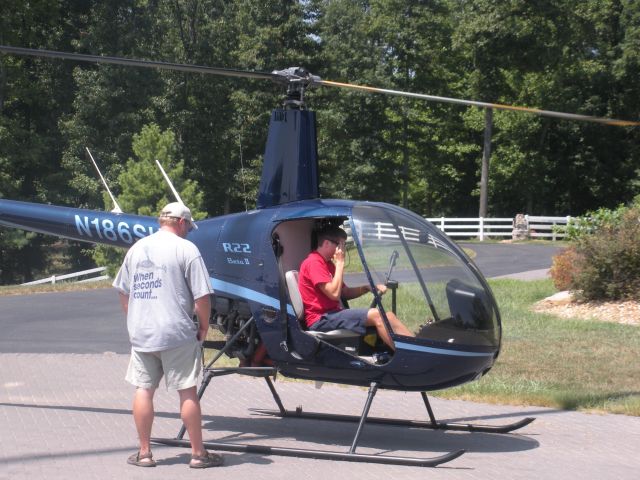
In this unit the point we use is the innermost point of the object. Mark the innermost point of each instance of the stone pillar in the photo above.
(520, 228)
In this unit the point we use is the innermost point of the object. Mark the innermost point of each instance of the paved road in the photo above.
(67, 322)
(510, 258)
(92, 322)
(67, 415)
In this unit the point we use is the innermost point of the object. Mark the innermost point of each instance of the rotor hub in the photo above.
(297, 80)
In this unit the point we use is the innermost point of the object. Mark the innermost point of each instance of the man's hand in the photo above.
(381, 288)
(202, 335)
(203, 310)
(124, 302)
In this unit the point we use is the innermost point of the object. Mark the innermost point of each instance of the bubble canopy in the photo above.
(433, 287)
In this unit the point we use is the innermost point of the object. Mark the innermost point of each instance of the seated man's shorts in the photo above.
(351, 319)
(180, 367)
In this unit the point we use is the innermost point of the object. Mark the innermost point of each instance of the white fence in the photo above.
(481, 228)
(477, 228)
(55, 278)
(546, 227)
(382, 231)
(474, 227)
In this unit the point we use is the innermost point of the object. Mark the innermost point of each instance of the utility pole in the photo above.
(486, 155)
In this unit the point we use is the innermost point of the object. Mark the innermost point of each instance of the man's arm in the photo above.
(355, 292)
(203, 311)
(124, 302)
(333, 289)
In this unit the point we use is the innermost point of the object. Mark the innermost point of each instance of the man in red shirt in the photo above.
(321, 286)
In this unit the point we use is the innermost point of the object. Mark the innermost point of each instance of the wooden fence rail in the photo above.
(546, 227)
(477, 228)
(481, 228)
(55, 278)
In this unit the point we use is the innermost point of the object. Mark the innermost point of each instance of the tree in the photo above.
(143, 188)
(351, 137)
(270, 36)
(519, 53)
(34, 92)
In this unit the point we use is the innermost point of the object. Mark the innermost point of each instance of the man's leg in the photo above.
(143, 416)
(374, 319)
(192, 418)
(398, 327)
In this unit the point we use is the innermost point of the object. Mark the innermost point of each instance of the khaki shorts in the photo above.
(180, 367)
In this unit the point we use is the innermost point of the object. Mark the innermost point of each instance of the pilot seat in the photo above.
(344, 339)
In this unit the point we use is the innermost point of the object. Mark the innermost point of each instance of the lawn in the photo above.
(563, 363)
(545, 360)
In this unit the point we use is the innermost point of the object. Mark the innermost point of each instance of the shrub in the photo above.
(563, 268)
(607, 265)
(594, 221)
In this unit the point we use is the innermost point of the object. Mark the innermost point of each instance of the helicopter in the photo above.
(253, 257)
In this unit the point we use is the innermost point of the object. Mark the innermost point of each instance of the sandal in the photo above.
(145, 460)
(205, 461)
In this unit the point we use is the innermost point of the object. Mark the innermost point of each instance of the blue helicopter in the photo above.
(253, 258)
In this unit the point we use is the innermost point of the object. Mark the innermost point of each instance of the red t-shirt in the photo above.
(314, 271)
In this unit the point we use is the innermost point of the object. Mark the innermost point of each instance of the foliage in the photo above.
(422, 155)
(608, 265)
(591, 223)
(143, 188)
(604, 261)
(563, 269)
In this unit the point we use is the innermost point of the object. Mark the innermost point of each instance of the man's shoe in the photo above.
(207, 460)
(145, 460)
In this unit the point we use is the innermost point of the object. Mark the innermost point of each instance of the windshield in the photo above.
(437, 296)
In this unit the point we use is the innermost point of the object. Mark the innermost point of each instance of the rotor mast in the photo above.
(290, 170)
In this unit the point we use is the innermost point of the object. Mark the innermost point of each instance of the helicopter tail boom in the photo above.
(109, 228)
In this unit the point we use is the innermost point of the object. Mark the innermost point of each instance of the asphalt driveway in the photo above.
(92, 322)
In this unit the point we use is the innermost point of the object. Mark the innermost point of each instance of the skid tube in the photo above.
(350, 456)
(431, 424)
(316, 454)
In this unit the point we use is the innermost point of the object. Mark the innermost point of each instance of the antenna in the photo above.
(116, 208)
(166, 177)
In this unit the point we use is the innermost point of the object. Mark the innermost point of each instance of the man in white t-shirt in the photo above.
(162, 283)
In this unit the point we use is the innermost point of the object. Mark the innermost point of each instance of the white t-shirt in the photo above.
(162, 274)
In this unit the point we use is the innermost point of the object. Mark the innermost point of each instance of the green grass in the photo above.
(379, 253)
(57, 287)
(545, 360)
(563, 363)
(569, 364)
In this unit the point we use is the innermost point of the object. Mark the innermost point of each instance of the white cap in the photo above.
(178, 210)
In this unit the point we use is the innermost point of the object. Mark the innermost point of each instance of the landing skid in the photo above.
(316, 454)
(466, 427)
(350, 456)
(432, 424)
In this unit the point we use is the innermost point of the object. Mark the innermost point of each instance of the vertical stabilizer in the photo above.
(290, 170)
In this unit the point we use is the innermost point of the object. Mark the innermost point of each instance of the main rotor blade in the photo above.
(285, 77)
(497, 106)
(226, 72)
